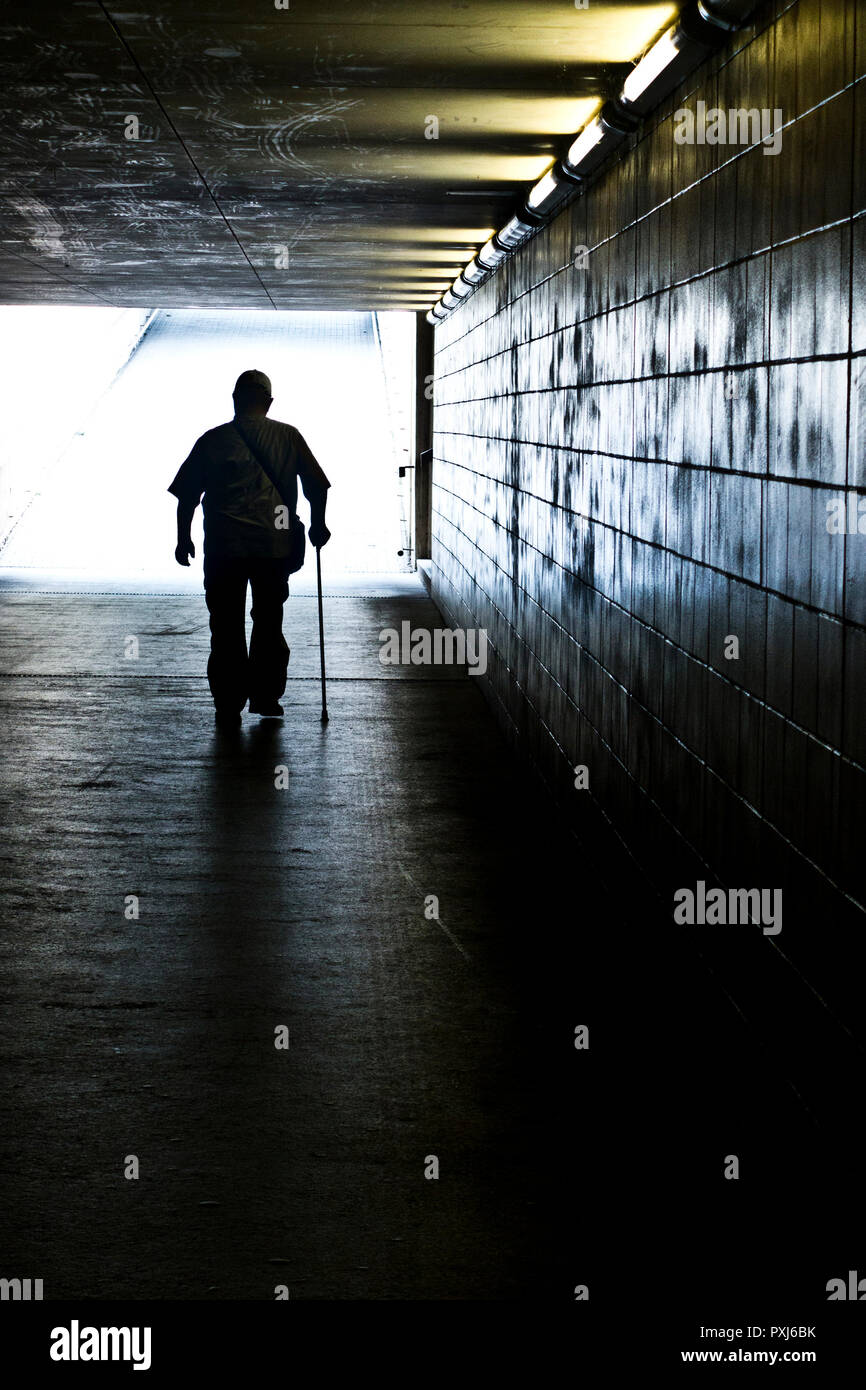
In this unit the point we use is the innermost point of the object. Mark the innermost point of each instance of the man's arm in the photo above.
(188, 486)
(315, 485)
(185, 547)
(318, 500)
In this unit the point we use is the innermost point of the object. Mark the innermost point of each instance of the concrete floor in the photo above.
(304, 907)
(261, 907)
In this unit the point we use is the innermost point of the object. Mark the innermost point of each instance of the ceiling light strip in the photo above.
(701, 27)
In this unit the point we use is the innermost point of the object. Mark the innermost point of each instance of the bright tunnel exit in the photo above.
(90, 444)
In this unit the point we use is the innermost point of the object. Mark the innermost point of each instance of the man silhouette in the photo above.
(247, 540)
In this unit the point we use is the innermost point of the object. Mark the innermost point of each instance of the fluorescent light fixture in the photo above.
(585, 143)
(599, 139)
(491, 255)
(651, 65)
(678, 52)
(547, 184)
(475, 272)
(515, 231)
(550, 191)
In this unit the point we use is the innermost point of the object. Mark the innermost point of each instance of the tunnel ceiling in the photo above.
(283, 157)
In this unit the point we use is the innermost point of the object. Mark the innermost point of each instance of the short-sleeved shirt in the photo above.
(240, 503)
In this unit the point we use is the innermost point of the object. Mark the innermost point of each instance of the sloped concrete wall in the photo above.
(637, 461)
(57, 363)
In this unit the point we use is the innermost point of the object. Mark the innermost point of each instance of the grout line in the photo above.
(624, 766)
(631, 536)
(699, 661)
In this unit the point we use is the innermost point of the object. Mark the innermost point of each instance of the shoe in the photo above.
(269, 709)
(227, 718)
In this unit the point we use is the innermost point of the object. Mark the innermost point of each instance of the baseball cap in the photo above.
(253, 378)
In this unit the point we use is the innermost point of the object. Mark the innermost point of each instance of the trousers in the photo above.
(234, 674)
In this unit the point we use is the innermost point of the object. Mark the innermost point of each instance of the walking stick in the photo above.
(321, 633)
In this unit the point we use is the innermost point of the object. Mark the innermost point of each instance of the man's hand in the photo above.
(319, 534)
(182, 552)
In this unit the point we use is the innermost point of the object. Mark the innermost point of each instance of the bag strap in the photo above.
(263, 465)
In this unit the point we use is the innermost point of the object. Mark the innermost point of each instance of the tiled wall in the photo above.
(633, 462)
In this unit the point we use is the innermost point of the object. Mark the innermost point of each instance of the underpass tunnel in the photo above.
(542, 958)
(100, 508)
